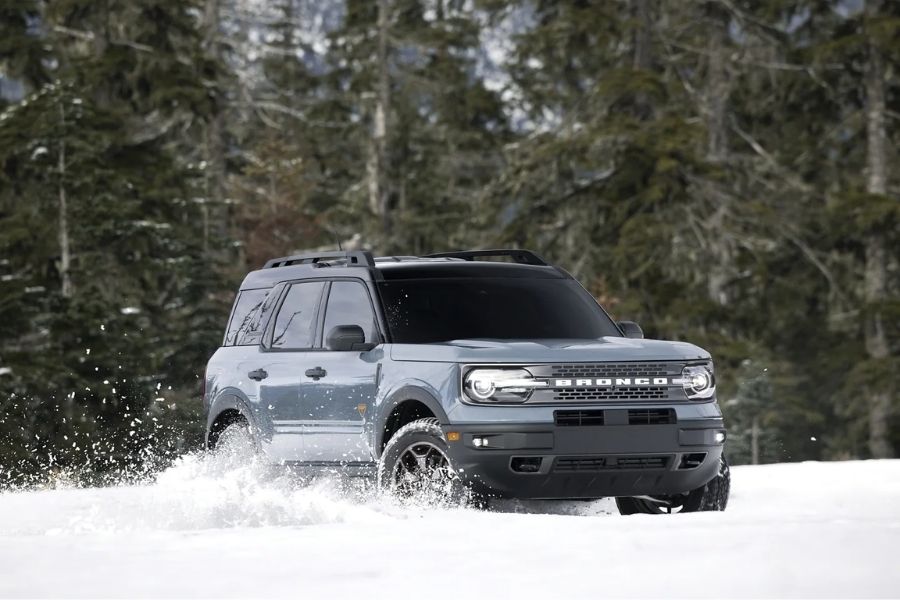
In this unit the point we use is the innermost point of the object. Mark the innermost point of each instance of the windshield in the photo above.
(421, 311)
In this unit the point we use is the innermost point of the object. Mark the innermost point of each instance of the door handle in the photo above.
(258, 374)
(316, 373)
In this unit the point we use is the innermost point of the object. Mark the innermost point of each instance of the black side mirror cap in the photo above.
(631, 330)
(347, 338)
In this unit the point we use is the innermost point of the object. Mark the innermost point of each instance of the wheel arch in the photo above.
(406, 404)
(225, 410)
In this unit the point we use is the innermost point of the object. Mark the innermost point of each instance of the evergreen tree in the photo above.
(101, 305)
(427, 130)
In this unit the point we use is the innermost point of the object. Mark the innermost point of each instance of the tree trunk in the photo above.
(875, 278)
(717, 85)
(377, 163)
(642, 58)
(65, 256)
(214, 149)
(754, 441)
(715, 111)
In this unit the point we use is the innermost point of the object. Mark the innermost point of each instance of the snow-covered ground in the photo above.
(799, 530)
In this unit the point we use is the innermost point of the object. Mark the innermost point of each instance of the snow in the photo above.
(207, 530)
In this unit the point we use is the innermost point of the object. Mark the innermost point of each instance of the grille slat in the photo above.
(587, 464)
(651, 416)
(605, 394)
(578, 418)
(617, 369)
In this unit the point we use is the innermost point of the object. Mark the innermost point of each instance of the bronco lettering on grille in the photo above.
(614, 382)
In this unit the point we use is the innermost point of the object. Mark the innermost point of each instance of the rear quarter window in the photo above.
(246, 306)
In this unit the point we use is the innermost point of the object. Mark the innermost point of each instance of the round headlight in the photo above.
(698, 381)
(481, 387)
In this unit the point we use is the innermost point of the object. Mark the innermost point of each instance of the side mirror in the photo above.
(345, 338)
(631, 330)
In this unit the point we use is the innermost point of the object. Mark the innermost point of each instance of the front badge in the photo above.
(612, 382)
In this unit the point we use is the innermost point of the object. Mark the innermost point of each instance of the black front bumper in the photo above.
(548, 461)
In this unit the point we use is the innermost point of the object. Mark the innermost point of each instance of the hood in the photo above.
(606, 349)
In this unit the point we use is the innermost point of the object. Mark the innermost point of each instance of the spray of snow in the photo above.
(209, 528)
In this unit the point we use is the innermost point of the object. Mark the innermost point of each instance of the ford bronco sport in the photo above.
(456, 372)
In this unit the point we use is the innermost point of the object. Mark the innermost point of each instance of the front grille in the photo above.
(651, 416)
(578, 418)
(588, 464)
(604, 393)
(594, 394)
(619, 369)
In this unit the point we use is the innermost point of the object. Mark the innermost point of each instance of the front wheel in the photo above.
(711, 497)
(416, 466)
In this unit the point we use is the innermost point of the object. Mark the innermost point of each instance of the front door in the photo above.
(338, 392)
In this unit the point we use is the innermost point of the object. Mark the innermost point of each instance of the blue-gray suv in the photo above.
(487, 373)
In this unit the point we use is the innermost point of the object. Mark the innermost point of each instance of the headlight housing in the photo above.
(699, 381)
(499, 385)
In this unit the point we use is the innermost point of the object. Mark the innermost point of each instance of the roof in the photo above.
(451, 264)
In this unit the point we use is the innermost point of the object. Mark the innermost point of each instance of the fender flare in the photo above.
(398, 397)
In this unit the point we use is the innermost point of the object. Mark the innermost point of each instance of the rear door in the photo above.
(339, 400)
(286, 353)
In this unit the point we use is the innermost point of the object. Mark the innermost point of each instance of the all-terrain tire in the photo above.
(710, 497)
(420, 434)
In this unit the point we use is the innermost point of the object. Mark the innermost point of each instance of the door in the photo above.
(285, 357)
(338, 393)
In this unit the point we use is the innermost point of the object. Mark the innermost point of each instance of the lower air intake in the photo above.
(651, 416)
(578, 418)
(571, 464)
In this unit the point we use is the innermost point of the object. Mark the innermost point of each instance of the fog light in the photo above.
(720, 437)
(480, 442)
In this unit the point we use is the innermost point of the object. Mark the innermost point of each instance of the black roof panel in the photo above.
(434, 269)
(397, 270)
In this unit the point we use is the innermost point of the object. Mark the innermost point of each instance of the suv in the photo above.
(456, 373)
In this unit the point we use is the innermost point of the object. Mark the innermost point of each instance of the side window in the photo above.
(295, 325)
(251, 333)
(348, 304)
(246, 304)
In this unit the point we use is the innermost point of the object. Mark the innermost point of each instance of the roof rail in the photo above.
(351, 258)
(523, 257)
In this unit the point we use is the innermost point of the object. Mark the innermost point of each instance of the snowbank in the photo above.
(806, 529)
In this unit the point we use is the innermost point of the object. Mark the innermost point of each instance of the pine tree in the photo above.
(427, 131)
(99, 222)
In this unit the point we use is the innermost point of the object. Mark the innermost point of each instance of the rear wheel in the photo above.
(711, 497)
(235, 445)
(416, 466)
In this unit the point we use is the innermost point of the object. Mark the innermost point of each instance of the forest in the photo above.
(723, 172)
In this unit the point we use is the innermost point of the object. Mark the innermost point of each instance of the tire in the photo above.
(713, 496)
(416, 467)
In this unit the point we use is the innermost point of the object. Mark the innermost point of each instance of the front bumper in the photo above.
(550, 461)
